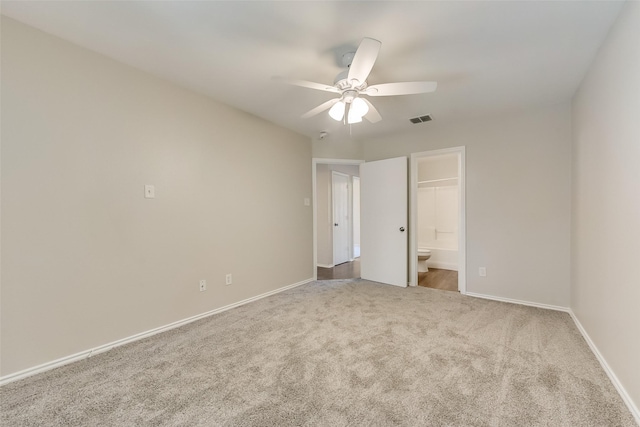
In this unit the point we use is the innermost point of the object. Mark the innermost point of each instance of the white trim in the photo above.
(413, 220)
(443, 265)
(325, 266)
(520, 302)
(607, 369)
(352, 198)
(314, 162)
(106, 347)
(603, 362)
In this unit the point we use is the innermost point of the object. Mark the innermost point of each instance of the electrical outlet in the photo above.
(203, 285)
(482, 271)
(228, 280)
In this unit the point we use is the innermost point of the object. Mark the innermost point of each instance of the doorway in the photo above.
(437, 219)
(332, 258)
(341, 218)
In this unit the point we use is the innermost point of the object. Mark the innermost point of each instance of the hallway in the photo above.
(347, 270)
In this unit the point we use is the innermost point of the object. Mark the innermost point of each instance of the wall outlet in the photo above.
(228, 279)
(203, 285)
(482, 271)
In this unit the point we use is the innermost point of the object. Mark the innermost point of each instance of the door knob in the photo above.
(401, 228)
(335, 224)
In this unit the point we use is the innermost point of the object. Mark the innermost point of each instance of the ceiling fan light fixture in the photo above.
(359, 107)
(353, 117)
(337, 111)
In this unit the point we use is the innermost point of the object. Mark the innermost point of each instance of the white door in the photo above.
(340, 199)
(383, 221)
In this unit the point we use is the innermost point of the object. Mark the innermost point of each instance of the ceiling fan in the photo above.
(351, 84)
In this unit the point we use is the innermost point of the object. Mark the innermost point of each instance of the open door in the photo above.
(383, 222)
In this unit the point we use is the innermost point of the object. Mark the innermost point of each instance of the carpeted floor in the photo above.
(337, 353)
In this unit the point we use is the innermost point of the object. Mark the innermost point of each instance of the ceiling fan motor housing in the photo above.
(342, 82)
(349, 95)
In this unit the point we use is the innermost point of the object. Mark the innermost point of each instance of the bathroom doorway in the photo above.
(437, 217)
(336, 200)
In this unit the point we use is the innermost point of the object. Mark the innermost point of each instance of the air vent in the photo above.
(421, 119)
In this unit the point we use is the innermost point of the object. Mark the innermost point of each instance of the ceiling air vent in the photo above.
(421, 119)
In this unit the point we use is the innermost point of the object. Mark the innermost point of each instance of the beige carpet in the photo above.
(337, 353)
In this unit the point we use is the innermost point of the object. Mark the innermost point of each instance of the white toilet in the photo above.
(423, 255)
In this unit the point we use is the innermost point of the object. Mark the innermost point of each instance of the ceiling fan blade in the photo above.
(304, 83)
(372, 115)
(405, 88)
(320, 108)
(363, 60)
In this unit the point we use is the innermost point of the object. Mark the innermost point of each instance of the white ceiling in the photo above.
(487, 57)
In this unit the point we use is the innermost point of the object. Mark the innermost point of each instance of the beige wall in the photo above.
(336, 147)
(517, 198)
(437, 167)
(86, 260)
(605, 291)
(351, 170)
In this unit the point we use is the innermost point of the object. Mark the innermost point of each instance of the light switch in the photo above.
(149, 192)
(307, 201)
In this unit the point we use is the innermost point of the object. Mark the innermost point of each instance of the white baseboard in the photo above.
(325, 265)
(612, 376)
(443, 265)
(605, 366)
(515, 301)
(106, 347)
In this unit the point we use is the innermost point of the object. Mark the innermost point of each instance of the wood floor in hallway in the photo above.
(437, 278)
(347, 270)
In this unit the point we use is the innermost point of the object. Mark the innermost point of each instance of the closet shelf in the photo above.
(455, 178)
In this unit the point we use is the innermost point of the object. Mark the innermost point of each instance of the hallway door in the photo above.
(341, 229)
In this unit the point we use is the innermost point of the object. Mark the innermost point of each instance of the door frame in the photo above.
(354, 216)
(349, 208)
(314, 163)
(413, 215)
